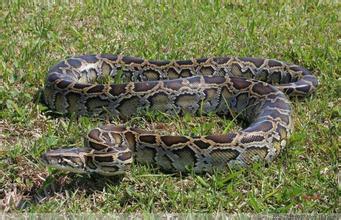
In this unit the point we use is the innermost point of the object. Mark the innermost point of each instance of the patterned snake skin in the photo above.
(252, 89)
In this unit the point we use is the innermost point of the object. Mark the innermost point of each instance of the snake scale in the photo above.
(255, 90)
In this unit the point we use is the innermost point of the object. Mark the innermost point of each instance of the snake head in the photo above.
(86, 160)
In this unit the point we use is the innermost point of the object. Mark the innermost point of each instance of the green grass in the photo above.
(304, 179)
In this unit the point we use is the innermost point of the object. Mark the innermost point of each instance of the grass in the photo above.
(304, 179)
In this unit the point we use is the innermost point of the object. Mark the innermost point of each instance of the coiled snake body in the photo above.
(251, 88)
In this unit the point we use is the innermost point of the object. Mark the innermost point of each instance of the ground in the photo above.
(304, 179)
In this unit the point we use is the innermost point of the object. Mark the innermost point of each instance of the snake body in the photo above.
(253, 89)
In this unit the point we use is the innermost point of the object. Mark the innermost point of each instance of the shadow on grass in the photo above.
(65, 185)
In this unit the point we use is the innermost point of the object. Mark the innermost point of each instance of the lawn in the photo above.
(33, 37)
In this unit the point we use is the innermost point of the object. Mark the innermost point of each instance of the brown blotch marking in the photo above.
(264, 126)
(72, 100)
(228, 138)
(81, 85)
(201, 144)
(253, 154)
(118, 128)
(114, 150)
(104, 159)
(53, 77)
(221, 157)
(125, 156)
(202, 60)
(151, 139)
(221, 60)
(251, 138)
(184, 62)
(172, 73)
(74, 63)
(144, 86)
(256, 61)
(117, 89)
(97, 146)
(109, 57)
(240, 83)
(63, 84)
(151, 74)
(128, 106)
(274, 63)
(129, 60)
(159, 62)
(173, 84)
(56, 68)
(206, 70)
(159, 101)
(94, 134)
(95, 103)
(106, 68)
(170, 140)
(89, 58)
(214, 79)
(96, 89)
(262, 89)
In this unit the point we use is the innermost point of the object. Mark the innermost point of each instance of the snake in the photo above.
(256, 91)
